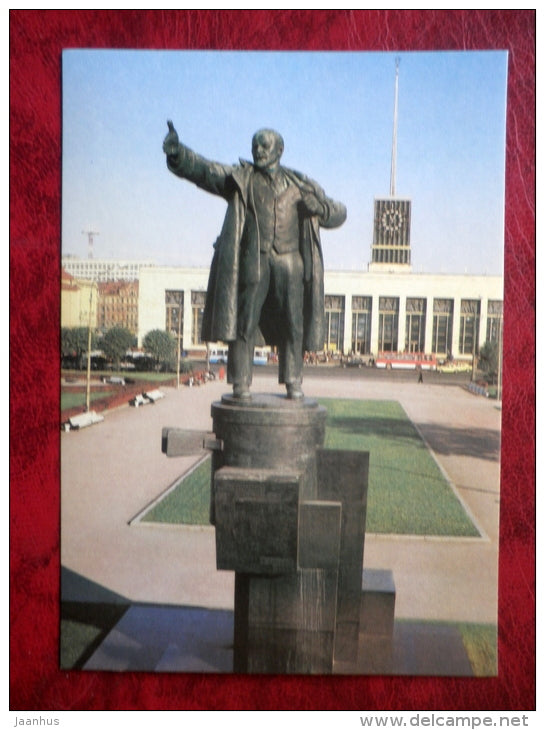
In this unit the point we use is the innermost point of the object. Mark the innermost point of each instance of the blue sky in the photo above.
(335, 112)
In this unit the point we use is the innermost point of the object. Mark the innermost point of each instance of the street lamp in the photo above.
(500, 356)
(179, 343)
(468, 319)
(88, 384)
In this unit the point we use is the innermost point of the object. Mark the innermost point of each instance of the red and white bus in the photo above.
(406, 361)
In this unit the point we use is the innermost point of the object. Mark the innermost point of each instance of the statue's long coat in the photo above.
(228, 271)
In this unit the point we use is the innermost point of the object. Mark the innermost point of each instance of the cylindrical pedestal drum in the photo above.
(270, 432)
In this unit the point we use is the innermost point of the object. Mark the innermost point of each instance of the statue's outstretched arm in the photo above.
(183, 162)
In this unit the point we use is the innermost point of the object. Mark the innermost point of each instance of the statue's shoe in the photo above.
(241, 392)
(294, 391)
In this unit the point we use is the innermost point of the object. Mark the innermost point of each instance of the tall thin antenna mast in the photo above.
(394, 137)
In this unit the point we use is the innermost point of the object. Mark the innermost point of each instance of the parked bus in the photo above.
(218, 355)
(406, 361)
(261, 355)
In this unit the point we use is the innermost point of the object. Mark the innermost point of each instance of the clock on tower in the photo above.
(391, 233)
(392, 221)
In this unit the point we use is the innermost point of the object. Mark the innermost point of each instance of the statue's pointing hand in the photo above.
(171, 143)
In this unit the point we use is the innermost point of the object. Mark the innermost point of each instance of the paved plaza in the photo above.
(111, 471)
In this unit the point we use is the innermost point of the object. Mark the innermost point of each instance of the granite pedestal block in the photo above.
(257, 513)
(319, 534)
(343, 476)
(378, 597)
(285, 624)
(376, 633)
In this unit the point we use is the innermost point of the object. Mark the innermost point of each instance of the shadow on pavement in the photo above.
(479, 443)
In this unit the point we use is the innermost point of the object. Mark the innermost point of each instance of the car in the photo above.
(357, 361)
(113, 380)
(455, 367)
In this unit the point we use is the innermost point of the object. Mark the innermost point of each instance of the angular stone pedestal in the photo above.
(290, 521)
(343, 476)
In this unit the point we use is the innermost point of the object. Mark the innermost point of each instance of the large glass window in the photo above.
(442, 326)
(174, 303)
(494, 320)
(361, 325)
(334, 317)
(415, 324)
(198, 299)
(388, 323)
(470, 310)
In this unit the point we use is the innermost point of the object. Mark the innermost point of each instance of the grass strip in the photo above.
(74, 400)
(83, 627)
(480, 643)
(189, 502)
(408, 493)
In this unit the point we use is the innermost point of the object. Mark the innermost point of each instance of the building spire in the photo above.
(394, 137)
(391, 248)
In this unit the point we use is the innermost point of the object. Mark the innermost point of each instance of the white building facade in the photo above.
(367, 312)
(103, 269)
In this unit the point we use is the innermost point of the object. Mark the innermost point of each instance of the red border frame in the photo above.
(37, 39)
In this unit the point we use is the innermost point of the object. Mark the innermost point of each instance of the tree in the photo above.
(161, 345)
(488, 360)
(74, 342)
(116, 342)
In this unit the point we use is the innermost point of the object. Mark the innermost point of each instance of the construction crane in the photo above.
(90, 238)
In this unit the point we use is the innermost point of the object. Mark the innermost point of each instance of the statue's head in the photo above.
(267, 148)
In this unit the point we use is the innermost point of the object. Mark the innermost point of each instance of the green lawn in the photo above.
(407, 494)
(74, 400)
(83, 627)
(480, 643)
(136, 375)
(189, 502)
